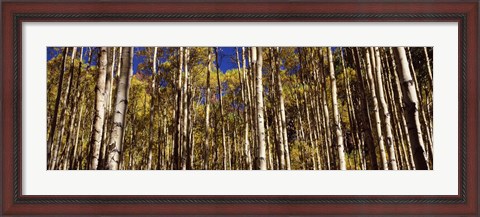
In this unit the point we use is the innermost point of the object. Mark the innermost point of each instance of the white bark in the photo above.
(152, 109)
(411, 110)
(121, 101)
(99, 110)
(260, 121)
(336, 114)
(386, 113)
(376, 109)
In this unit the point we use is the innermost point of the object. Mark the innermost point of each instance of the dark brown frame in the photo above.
(14, 13)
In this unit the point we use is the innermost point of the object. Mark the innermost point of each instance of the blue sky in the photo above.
(225, 57)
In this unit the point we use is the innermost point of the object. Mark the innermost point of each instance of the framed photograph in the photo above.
(256, 108)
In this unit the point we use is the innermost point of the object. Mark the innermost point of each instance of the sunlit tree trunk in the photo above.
(185, 111)
(376, 110)
(429, 68)
(222, 121)
(283, 118)
(411, 109)
(247, 118)
(336, 114)
(99, 110)
(75, 143)
(395, 107)
(121, 102)
(386, 113)
(108, 106)
(64, 112)
(426, 126)
(262, 163)
(73, 114)
(278, 130)
(152, 109)
(206, 145)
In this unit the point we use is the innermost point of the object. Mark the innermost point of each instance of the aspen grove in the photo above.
(239, 108)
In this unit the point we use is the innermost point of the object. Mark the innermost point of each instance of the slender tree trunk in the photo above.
(73, 106)
(247, 118)
(365, 120)
(178, 110)
(386, 113)
(278, 130)
(336, 114)
(282, 110)
(404, 157)
(121, 102)
(220, 96)
(99, 110)
(376, 109)
(75, 144)
(206, 152)
(429, 68)
(411, 109)
(57, 105)
(152, 109)
(65, 109)
(399, 97)
(185, 111)
(426, 131)
(260, 121)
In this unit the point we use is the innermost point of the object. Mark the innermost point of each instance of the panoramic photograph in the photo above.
(239, 108)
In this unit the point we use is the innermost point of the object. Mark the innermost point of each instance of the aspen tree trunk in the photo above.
(108, 106)
(376, 109)
(280, 155)
(309, 126)
(336, 114)
(54, 147)
(73, 114)
(314, 108)
(75, 144)
(278, 133)
(429, 68)
(260, 121)
(411, 109)
(318, 117)
(99, 110)
(162, 157)
(244, 86)
(386, 113)
(191, 120)
(178, 111)
(222, 122)
(427, 131)
(121, 102)
(429, 105)
(247, 118)
(119, 64)
(282, 110)
(366, 127)
(254, 105)
(206, 152)
(66, 108)
(351, 111)
(396, 104)
(152, 109)
(325, 112)
(267, 142)
(402, 108)
(185, 111)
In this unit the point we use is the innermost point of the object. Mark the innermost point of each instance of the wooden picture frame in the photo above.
(14, 13)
